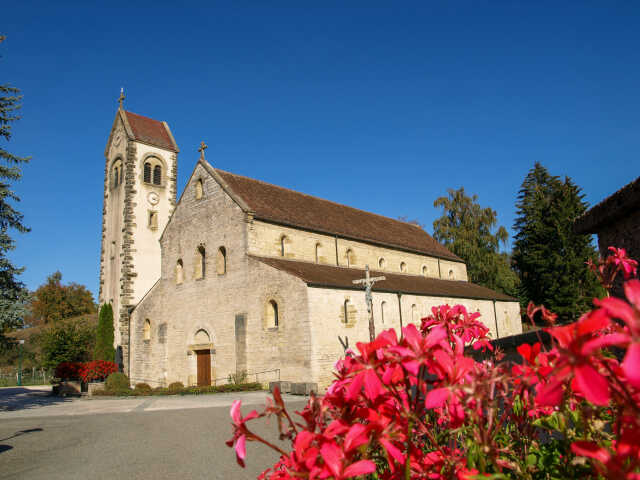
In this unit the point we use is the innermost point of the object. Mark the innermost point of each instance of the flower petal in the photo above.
(436, 398)
(236, 416)
(359, 468)
(591, 450)
(594, 386)
(631, 365)
(241, 449)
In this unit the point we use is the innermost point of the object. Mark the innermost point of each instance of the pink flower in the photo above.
(240, 431)
(620, 259)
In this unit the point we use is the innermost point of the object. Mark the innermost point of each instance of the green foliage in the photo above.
(12, 292)
(105, 335)
(54, 301)
(66, 342)
(117, 383)
(143, 389)
(469, 231)
(548, 255)
(237, 378)
(175, 387)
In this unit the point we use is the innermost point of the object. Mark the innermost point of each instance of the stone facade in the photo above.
(130, 252)
(232, 308)
(196, 288)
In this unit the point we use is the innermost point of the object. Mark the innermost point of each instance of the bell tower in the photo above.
(139, 197)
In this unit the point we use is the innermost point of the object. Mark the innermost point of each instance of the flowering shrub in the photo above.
(68, 370)
(97, 370)
(418, 406)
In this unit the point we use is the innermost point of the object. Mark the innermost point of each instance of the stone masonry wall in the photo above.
(264, 240)
(178, 311)
(622, 233)
(327, 320)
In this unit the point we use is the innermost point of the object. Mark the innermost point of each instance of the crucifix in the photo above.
(203, 147)
(121, 98)
(368, 282)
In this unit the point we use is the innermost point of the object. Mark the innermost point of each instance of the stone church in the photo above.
(239, 275)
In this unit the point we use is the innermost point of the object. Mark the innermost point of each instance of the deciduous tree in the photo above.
(470, 231)
(54, 301)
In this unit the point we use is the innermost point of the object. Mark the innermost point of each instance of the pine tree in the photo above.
(104, 335)
(549, 257)
(467, 230)
(13, 294)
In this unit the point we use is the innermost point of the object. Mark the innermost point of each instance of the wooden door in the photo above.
(204, 367)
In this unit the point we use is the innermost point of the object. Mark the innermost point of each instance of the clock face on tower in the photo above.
(153, 198)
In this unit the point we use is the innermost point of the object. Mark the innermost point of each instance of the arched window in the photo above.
(346, 311)
(199, 189)
(147, 172)
(157, 175)
(272, 314)
(382, 263)
(318, 252)
(350, 258)
(146, 330)
(179, 272)
(200, 262)
(221, 261)
(403, 267)
(451, 275)
(116, 173)
(283, 241)
(414, 313)
(383, 305)
(425, 270)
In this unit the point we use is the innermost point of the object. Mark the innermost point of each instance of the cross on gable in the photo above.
(203, 147)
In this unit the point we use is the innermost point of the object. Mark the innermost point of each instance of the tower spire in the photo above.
(121, 98)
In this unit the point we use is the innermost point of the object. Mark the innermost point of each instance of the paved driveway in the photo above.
(44, 437)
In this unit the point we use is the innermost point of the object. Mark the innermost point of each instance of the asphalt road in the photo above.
(149, 437)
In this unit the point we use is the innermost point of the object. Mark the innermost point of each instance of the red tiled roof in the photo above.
(288, 207)
(148, 130)
(616, 205)
(341, 277)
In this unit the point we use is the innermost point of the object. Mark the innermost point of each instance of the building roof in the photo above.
(288, 207)
(615, 206)
(331, 276)
(150, 131)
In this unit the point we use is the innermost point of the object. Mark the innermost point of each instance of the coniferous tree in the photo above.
(470, 232)
(105, 335)
(13, 294)
(549, 257)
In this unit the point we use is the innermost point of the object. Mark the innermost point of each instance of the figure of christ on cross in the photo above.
(368, 282)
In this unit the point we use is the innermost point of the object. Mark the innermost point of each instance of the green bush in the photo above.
(143, 389)
(117, 383)
(67, 342)
(160, 391)
(175, 387)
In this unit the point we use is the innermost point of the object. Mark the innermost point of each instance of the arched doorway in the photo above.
(203, 357)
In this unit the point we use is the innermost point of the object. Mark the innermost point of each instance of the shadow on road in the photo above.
(4, 448)
(19, 398)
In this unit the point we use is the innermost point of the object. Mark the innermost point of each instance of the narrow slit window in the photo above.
(346, 311)
(403, 267)
(383, 305)
(283, 240)
(272, 314)
(199, 189)
(221, 261)
(153, 220)
(318, 252)
(147, 172)
(157, 175)
(147, 329)
(179, 272)
(201, 262)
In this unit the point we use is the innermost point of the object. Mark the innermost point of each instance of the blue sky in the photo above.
(381, 106)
